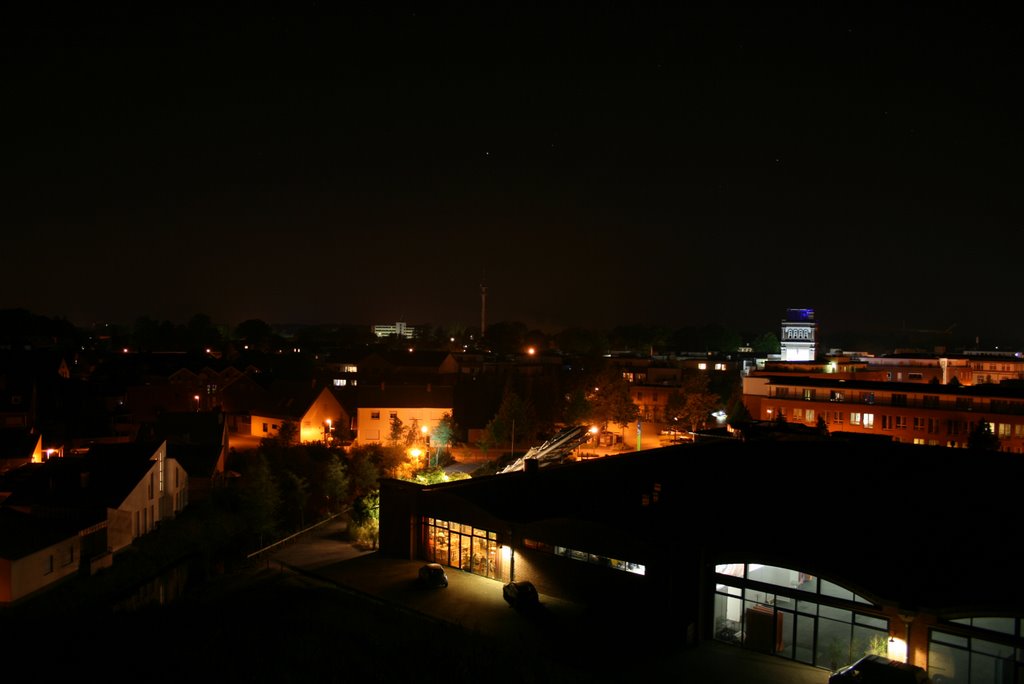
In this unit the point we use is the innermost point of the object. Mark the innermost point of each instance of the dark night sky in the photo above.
(595, 166)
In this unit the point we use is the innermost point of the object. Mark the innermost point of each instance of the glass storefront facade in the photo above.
(794, 615)
(463, 546)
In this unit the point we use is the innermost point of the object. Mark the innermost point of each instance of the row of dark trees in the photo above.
(286, 485)
(200, 332)
(601, 396)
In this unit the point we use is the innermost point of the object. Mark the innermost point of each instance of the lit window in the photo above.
(854, 418)
(702, 366)
(869, 420)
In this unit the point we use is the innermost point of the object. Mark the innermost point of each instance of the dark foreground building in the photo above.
(818, 551)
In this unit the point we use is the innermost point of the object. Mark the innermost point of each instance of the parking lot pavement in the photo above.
(560, 630)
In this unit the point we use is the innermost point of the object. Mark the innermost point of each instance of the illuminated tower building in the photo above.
(799, 332)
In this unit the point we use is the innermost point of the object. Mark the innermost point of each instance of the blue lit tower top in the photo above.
(799, 335)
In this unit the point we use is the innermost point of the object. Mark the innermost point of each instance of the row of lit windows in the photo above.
(585, 557)
(900, 399)
(918, 423)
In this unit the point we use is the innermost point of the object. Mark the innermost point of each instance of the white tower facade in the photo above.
(799, 335)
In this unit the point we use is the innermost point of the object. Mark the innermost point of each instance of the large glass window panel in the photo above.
(991, 663)
(770, 574)
(758, 596)
(835, 591)
(808, 607)
(466, 549)
(493, 558)
(995, 624)
(867, 640)
(870, 621)
(481, 559)
(732, 569)
(951, 639)
(728, 619)
(785, 602)
(836, 613)
(948, 664)
(441, 556)
(784, 640)
(833, 644)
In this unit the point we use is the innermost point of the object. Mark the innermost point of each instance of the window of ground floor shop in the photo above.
(463, 546)
(796, 616)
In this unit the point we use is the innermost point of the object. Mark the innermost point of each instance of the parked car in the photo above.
(876, 669)
(521, 594)
(432, 575)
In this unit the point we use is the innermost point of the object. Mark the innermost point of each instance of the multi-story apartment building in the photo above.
(912, 412)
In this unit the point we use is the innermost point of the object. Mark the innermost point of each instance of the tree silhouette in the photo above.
(260, 499)
(397, 430)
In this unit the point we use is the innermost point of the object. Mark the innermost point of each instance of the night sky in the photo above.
(612, 163)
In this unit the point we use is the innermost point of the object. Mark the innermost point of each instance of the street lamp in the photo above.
(328, 428)
(196, 397)
(424, 430)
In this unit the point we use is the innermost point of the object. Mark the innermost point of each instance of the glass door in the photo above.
(784, 640)
(803, 643)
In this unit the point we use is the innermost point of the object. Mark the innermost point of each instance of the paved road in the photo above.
(476, 604)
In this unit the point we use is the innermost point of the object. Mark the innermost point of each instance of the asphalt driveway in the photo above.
(561, 630)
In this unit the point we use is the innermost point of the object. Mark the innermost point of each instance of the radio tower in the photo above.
(483, 310)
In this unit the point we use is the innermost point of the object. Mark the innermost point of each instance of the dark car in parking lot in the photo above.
(876, 669)
(521, 594)
(432, 575)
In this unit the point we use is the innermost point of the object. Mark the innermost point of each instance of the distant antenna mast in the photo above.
(483, 309)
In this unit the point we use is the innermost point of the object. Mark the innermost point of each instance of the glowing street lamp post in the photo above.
(424, 430)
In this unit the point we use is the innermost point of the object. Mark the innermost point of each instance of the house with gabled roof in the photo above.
(198, 441)
(312, 408)
(117, 491)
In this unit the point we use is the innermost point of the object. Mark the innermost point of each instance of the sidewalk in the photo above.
(564, 631)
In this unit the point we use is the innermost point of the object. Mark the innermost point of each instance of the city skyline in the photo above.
(593, 167)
